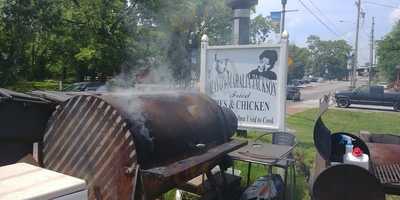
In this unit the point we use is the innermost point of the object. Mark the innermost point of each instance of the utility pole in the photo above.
(371, 53)
(355, 62)
(284, 2)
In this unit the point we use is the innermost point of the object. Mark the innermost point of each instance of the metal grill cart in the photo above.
(124, 145)
(140, 146)
(277, 154)
(334, 180)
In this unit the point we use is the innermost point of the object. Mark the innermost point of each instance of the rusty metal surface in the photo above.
(162, 179)
(382, 154)
(388, 173)
(87, 138)
(171, 126)
(101, 137)
(382, 138)
(385, 163)
(347, 182)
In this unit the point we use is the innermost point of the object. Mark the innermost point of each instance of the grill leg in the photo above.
(294, 181)
(248, 174)
(286, 183)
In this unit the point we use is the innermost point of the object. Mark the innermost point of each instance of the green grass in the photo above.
(337, 121)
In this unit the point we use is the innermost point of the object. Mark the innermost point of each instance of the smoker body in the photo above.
(169, 127)
(23, 119)
(119, 141)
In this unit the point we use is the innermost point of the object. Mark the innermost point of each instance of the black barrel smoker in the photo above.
(335, 180)
(125, 145)
(128, 145)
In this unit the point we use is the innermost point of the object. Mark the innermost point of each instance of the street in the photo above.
(311, 93)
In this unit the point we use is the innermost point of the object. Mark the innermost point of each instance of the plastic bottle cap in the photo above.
(357, 152)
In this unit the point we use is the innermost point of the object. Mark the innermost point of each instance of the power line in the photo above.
(381, 4)
(323, 14)
(319, 19)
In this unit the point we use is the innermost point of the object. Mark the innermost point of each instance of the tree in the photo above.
(260, 28)
(53, 38)
(328, 58)
(301, 59)
(187, 21)
(184, 23)
(26, 28)
(389, 53)
(72, 40)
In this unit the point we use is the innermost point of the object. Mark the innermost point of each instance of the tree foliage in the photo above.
(328, 58)
(301, 59)
(389, 53)
(260, 28)
(58, 39)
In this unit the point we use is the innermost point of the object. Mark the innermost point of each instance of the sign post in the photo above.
(250, 80)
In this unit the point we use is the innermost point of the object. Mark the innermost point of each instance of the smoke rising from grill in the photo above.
(128, 86)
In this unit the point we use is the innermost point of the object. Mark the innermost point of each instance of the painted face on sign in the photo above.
(264, 62)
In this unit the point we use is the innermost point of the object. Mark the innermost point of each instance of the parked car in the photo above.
(384, 84)
(293, 93)
(296, 82)
(84, 86)
(314, 79)
(364, 95)
(306, 80)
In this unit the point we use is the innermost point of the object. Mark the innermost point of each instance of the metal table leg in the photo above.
(294, 181)
(248, 174)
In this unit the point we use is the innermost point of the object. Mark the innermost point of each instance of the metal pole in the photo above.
(355, 63)
(371, 53)
(283, 15)
(203, 65)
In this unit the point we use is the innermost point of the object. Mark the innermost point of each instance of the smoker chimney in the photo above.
(241, 19)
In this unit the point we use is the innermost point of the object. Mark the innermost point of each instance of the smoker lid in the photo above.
(325, 141)
(56, 96)
(322, 139)
(16, 96)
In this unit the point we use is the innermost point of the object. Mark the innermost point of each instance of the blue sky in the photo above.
(339, 15)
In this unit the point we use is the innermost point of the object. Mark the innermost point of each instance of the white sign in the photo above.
(250, 80)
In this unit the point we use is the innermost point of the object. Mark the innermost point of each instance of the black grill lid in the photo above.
(16, 96)
(322, 139)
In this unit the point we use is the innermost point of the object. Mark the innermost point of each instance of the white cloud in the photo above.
(394, 16)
